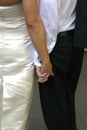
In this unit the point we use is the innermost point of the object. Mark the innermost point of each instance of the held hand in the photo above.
(46, 68)
(41, 77)
(44, 72)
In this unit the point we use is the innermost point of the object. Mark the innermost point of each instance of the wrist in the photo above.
(46, 61)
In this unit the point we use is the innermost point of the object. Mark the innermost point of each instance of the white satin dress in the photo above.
(16, 69)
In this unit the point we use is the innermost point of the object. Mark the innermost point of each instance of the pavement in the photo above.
(36, 121)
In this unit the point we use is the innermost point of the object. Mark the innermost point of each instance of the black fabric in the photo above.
(81, 24)
(65, 33)
(58, 93)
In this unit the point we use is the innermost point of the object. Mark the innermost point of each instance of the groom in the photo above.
(55, 93)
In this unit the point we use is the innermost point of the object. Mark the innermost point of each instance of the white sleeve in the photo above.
(37, 61)
(49, 16)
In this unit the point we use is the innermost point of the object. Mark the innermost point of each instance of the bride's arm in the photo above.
(37, 32)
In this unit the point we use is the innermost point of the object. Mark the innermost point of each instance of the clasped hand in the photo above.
(44, 72)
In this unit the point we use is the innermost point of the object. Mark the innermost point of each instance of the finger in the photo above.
(43, 77)
(42, 80)
(38, 71)
(52, 74)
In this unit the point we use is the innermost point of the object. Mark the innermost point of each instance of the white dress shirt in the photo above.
(57, 16)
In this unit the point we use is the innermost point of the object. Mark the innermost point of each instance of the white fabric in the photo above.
(57, 16)
(16, 69)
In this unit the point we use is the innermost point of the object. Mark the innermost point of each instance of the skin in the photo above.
(37, 33)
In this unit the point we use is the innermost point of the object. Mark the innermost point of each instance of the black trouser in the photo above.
(58, 93)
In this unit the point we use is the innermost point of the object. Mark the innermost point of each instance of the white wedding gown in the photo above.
(16, 69)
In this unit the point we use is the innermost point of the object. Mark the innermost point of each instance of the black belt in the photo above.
(65, 33)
